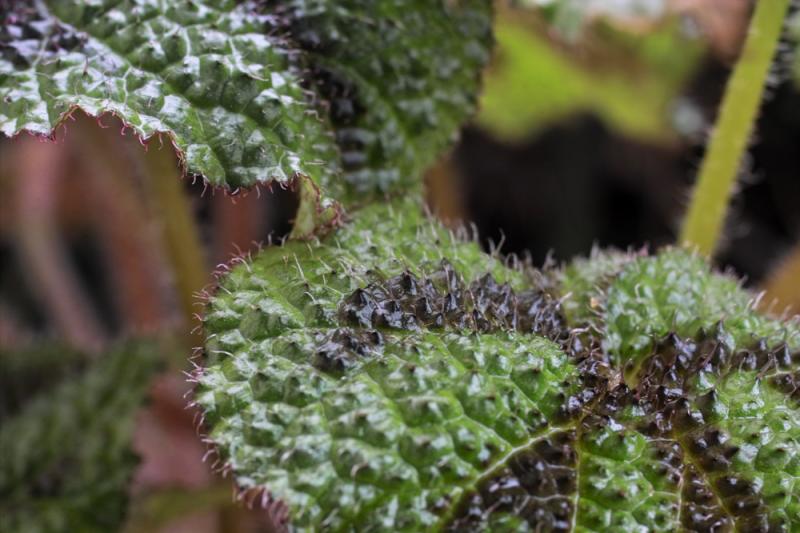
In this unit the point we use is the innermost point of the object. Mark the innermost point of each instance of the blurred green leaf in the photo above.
(156, 510)
(794, 32)
(400, 78)
(32, 370)
(535, 80)
(66, 456)
(570, 16)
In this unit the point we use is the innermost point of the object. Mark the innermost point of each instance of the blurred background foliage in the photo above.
(592, 124)
(794, 29)
(628, 78)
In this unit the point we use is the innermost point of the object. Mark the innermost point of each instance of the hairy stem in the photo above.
(305, 221)
(743, 94)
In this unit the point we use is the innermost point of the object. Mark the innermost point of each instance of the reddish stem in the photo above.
(52, 276)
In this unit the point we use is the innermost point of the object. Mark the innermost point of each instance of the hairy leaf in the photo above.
(203, 72)
(400, 76)
(372, 379)
(674, 292)
(393, 377)
(67, 458)
(256, 92)
(586, 282)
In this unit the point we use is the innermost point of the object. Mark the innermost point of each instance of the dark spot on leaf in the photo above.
(342, 349)
(442, 298)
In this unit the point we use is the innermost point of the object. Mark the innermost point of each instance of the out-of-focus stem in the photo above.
(732, 131)
(157, 510)
(122, 223)
(184, 248)
(52, 275)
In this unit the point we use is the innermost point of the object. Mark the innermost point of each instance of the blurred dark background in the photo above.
(578, 182)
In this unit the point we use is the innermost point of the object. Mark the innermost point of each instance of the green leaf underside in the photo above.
(224, 80)
(371, 385)
(67, 458)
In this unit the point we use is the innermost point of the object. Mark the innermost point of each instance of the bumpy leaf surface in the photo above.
(675, 292)
(66, 454)
(401, 76)
(202, 71)
(394, 378)
(227, 81)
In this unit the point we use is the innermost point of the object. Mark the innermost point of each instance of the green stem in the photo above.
(184, 246)
(743, 94)
(159, 509)
(312, 212)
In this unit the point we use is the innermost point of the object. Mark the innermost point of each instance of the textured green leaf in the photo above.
(341, 377)
(203, 72)
(677, 292)
(586, 283)
(401, 76)
(629, 80)
(706, 440)
(391, 82)
(66, 456)
(392, 377)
